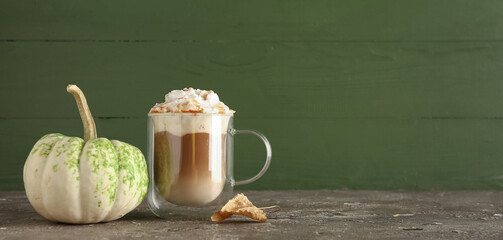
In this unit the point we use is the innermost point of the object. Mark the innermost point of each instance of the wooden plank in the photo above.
(261, 80)
(318, 153)
(263, 20)
(352, 94)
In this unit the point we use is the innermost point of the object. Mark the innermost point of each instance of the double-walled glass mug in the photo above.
(190, 162)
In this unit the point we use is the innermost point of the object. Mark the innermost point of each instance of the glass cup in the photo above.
(190, 162)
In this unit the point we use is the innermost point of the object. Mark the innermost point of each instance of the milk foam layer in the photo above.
(181, 124)
(190, 100)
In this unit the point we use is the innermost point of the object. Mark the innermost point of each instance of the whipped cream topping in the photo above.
(190, 100)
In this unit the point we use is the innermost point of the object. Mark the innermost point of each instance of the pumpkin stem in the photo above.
(85, 113)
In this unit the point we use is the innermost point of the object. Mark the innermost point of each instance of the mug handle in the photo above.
(268, 152)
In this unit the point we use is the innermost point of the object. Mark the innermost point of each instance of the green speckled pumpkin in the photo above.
(74, 180)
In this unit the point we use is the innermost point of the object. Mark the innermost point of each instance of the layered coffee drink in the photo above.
(190, 130)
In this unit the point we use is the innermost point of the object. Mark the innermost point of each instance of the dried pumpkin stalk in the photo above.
(240, 205)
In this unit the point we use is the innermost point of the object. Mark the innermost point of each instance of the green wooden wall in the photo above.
(371, 94)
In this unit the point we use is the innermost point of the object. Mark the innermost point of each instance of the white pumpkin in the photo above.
(71, 180)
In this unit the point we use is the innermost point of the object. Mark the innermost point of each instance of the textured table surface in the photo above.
(303, 215)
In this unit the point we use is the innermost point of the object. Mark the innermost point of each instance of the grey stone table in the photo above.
(303, 215)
